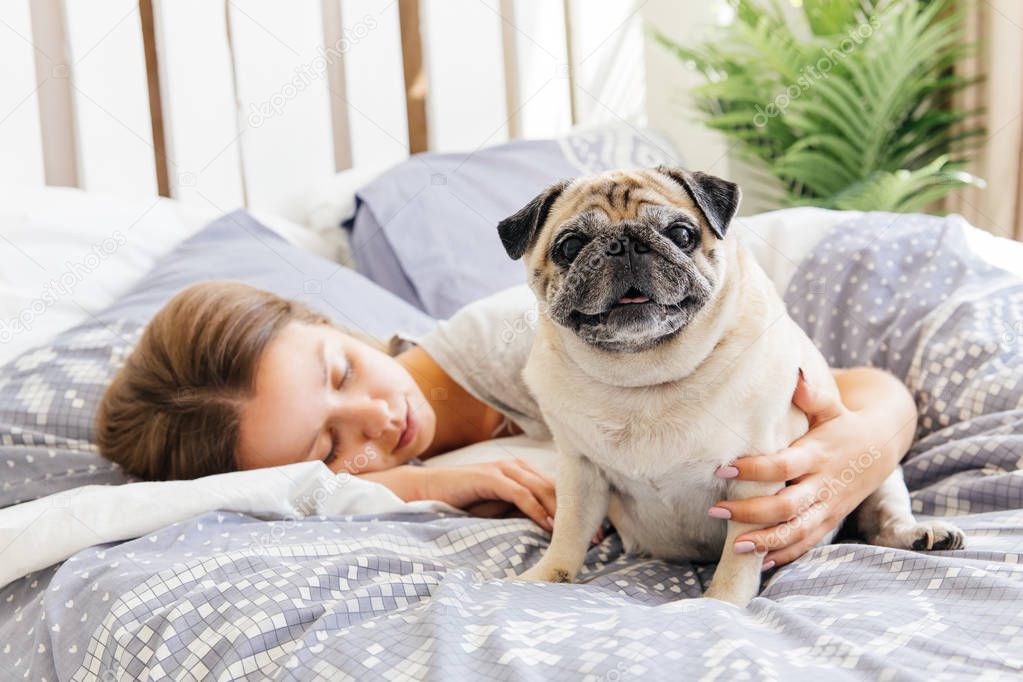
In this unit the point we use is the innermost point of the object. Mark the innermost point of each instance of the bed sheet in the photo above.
(227, 596)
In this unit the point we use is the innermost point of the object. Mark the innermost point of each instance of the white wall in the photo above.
(21, 158)
(669, 105)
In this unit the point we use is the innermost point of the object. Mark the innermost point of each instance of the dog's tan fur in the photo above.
(641, 433)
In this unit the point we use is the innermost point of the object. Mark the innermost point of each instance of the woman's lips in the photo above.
(410, 428)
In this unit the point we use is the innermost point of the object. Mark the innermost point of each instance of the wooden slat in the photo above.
(570, 62)
(236, 97)
(284, 101)
(108, 83)
(535, 31)
(606, 61)
(509, 49)
(56, 103)
(200, 117)
(416, 86)
(467, 94)
(335, 43)
(149, 44)
(375, 83)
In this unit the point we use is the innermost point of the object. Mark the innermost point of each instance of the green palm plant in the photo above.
(851, 109)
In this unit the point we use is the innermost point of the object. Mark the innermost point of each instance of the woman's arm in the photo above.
(885, 401)
(860, 439)
(511, 481)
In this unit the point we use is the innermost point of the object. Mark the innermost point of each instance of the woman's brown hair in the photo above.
(173, 410)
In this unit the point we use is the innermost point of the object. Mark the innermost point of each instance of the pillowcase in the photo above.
(426, 230)
(68, 252)
(49, 395)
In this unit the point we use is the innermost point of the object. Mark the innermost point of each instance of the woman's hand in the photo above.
(493, 489)
(852, 445)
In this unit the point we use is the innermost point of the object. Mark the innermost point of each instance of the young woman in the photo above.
(227, 376)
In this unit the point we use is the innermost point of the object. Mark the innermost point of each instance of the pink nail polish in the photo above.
(726, 472)
(744, 547)
(550, 521)
(719, 513)
(768, 565)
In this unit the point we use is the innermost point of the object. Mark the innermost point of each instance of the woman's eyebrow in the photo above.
(321, 356)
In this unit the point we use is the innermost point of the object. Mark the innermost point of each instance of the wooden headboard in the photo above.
(245, 102)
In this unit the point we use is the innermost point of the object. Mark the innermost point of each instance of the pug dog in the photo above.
(662, 352)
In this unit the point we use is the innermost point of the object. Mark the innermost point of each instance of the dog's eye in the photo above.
(684, 236)
(569, 248)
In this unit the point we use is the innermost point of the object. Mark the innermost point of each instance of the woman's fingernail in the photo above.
(726, 472)
(719, 513)
(744, 547)
(803, 376)
(768, 565)
(550, 521)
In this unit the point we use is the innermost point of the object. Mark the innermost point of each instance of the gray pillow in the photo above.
(426, 230)
(49, 395)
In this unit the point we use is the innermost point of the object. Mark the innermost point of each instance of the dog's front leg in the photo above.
(737, 578)
(582, 500)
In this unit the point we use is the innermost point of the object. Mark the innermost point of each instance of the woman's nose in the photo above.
(375, 415)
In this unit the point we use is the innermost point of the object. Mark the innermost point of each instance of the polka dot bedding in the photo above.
(227, 596)
(905, 293)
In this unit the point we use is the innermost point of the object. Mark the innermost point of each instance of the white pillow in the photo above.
(331, 201)
(67, 253)
(780, 239)
(998, 251)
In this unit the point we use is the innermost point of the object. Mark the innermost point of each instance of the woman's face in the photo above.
(322, 394)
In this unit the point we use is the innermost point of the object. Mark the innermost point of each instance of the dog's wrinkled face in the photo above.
(625, 259)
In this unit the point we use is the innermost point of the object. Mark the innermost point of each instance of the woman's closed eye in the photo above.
(335, 446)
(342, 374)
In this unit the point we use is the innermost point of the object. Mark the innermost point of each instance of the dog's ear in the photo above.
(717, 198)
(519, 230)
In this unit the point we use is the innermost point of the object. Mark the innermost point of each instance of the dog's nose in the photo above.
(621, 245)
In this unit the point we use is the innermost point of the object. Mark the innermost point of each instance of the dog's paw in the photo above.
(938, 535)
(545, 575)
(922, 537)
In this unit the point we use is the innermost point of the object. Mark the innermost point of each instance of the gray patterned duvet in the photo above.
(403, 597)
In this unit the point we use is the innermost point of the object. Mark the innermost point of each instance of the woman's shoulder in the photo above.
(508, 304)
(498, 321)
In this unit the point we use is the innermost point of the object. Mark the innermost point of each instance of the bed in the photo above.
(361, 585)
(294, 573)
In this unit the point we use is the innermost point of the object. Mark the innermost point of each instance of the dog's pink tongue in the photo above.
(637, 299)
